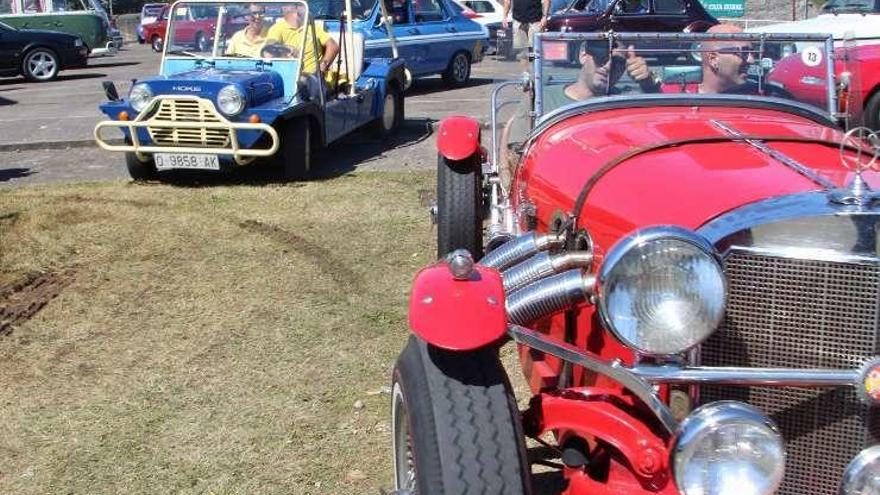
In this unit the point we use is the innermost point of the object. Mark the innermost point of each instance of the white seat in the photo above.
(353, 63)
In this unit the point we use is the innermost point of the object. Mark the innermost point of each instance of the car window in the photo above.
(849, 6)
(428, 11)
(398, 10)
(5, 6)
(669, 6)
(33, 6)
(152, 11)
(631, 7)
(68, 5)
(480, 6)
(334, 9)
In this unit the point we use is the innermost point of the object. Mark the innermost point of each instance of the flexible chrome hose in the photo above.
(520, 249)
(543, 265)
(548, 296)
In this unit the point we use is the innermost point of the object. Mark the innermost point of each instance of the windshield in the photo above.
(573, 68)
(588, 5)
(334, 9)
(851, 6)
(257, 30)
(152, 10)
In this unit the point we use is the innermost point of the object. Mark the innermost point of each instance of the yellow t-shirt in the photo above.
(282, 32)
(239, 44)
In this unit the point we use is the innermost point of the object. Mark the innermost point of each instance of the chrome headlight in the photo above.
(727, 448)
(230, 100)
(862, 477)
(662, 290)
(139, 96)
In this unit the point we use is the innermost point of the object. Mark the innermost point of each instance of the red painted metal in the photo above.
(458, 315)
(612, 424)
(458, 137)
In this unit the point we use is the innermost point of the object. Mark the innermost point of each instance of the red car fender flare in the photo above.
(458, 315)
(603, 414)
(458, 137)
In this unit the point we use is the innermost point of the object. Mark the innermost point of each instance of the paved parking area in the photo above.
(46, 129)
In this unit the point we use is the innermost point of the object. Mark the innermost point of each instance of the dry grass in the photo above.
(211, 340)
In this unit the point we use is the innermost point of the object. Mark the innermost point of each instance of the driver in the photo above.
(289, 31)
(725, 63)
(249, 41)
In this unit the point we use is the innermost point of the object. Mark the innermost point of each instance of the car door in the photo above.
(435, 33)
(10, 46)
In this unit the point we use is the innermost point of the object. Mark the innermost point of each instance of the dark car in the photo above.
(631, 16)
(39, 55)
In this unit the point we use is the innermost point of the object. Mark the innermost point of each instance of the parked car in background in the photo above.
(631, 16)
(195, 25)
(855, 19)
(39, 55)
(486, 13)
(86, 19)
(149, 14)
(432, 36)
(691, 282)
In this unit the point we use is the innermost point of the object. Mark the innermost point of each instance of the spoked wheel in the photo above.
(40, 64)
(456, 425)
(458, 73)
(295, 151)
(459, 206)
(392, 114)
(156, 43)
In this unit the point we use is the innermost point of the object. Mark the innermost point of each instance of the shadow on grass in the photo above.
(338, 159)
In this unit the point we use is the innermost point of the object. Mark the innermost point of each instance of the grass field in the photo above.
(224, 339)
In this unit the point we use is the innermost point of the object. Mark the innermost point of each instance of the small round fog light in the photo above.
(727, 448)
(461, 264)
(862, 476)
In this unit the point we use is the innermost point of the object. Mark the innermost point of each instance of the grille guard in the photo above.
(148, 118)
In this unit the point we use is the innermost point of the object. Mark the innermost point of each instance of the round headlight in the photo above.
(662, 290)
(230, 100)
(862, 477)
(727, 448)
(139, 96)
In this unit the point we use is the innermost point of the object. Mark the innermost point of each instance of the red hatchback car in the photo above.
(691, 280)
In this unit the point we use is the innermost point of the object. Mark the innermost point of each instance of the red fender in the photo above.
(458, 315)
(458, 137)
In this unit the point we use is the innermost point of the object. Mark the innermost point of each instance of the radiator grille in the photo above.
(173, 110)
(805, 314)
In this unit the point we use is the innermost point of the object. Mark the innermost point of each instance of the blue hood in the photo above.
(260, 86)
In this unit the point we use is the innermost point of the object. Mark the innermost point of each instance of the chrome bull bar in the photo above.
(150, 119)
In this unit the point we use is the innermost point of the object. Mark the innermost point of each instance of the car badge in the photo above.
(869, 382)
(856, 157)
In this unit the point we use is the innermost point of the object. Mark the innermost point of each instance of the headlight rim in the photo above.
(138, 107)
(640, 238)
(241, 95)
(857, 466)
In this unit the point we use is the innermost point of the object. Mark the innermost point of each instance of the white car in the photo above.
(858, 19)
(487, 11)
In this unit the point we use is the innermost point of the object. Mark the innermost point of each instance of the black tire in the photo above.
(392, 114)
(202, 43)
(459, 206)
(458, 72)
(156, 43)
(140, 170)
(455, 425)
(295, 150)
(872, 112)
(40, 65)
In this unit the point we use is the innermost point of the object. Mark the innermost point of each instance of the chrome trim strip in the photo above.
(777, 155)
(567, 352)
(747, 377)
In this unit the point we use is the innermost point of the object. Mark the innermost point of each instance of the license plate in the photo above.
(500, 33)
(169, 161)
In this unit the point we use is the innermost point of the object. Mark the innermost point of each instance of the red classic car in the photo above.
(691, 279)
(194, 27)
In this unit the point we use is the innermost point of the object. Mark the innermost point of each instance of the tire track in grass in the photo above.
(21, 300)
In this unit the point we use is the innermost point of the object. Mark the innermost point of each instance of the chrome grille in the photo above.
(806, 314)
(189, 110)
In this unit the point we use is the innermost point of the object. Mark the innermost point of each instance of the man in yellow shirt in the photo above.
(249, 41)
(290, 29)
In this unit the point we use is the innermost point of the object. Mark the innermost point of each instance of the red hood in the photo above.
(685, 185)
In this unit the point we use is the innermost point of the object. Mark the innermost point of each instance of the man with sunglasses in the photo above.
(249, 41)
(725, 63)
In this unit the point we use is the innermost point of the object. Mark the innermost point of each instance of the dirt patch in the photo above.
(78, 198)
(21, 300)
(323, 258)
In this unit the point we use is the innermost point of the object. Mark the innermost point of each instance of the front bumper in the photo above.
(109, 49)
(186, 124)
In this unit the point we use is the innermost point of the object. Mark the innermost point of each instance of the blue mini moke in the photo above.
(262, 90)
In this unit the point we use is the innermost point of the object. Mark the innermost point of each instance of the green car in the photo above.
(84, 18)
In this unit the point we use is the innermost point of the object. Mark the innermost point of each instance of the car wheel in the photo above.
(458, 73)
(202, 43)
(140, 169)
(459, 206)
(296, 150)
(156, 43)
(392, 114)
(40, 64)
(456, 427)
(872, 112)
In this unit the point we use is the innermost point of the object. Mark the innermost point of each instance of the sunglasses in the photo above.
(600, 57)
(743, 52)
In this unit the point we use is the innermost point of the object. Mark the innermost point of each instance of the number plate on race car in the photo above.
(168, 161)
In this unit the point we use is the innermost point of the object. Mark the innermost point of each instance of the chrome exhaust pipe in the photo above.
(543, 265)
(520, 249)
(548, 296)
